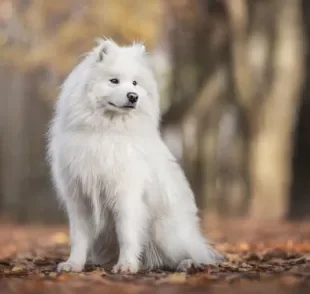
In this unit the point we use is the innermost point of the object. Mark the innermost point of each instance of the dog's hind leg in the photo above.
(184, 246)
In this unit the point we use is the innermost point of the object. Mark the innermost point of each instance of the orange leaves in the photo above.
(58, 32)
(270, 264)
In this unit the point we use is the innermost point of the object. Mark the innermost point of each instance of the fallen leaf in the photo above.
(60, 238)
(176, 278)
(17, 269)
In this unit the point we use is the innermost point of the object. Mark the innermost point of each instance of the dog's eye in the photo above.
(114, 81)
(134, 83)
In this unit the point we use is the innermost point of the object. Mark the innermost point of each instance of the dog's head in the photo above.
(111, 81)
(120, 81)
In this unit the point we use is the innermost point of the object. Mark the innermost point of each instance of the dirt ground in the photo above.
(273, 257)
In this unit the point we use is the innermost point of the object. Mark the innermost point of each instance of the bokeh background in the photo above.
(234, 77)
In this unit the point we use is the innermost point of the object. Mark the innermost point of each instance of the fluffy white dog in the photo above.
(127, 199)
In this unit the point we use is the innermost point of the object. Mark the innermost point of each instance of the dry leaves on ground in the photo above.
(274, 258)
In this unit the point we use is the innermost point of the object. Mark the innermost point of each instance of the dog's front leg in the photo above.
(130, 223)
(80, 235)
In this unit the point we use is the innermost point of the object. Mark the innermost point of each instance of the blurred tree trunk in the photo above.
(300, 190)
(271, 144)
(269, 83)
(36, 183)
(203, 97)
(199, 48)
(24, 173)
(12, 119)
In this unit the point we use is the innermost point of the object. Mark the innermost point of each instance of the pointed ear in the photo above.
(104, 48)
(102, 52)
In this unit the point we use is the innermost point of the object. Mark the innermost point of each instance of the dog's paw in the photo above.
(188, 265)
(69, 266)
(125, 268)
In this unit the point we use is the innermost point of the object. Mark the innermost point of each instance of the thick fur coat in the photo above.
(129, 205)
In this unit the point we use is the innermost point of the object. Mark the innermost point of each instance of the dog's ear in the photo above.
(105, 47)
(102, 52)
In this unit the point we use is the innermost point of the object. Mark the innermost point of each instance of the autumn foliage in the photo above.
(54, 33)
(274, 258)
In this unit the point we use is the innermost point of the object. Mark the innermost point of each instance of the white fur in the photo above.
(127, 199)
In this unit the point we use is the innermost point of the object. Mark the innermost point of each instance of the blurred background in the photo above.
(234, 77)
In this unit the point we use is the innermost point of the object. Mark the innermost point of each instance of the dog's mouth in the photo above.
(130, 106)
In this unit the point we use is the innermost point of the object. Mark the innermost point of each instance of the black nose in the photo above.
(132, 97)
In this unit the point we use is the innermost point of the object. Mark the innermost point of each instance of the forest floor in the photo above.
(273, 257)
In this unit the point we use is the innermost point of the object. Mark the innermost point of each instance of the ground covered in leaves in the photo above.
(260, 257)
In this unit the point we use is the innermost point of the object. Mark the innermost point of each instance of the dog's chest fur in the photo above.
(104, 161)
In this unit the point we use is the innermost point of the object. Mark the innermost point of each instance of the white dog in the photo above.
(127, 199)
